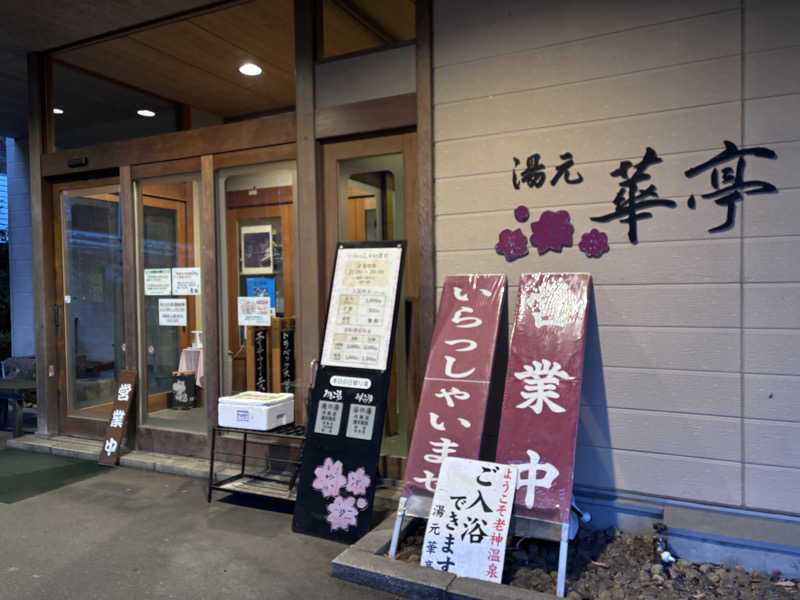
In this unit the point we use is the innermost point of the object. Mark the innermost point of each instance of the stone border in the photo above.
(365, 563)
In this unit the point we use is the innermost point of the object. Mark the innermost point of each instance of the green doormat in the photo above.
(25, 474)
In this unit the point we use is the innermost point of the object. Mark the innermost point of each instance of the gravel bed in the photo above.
(610, 565)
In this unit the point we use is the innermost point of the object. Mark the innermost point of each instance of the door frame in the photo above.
(71, 424)
(375, 145)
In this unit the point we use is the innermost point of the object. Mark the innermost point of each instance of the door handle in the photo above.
(55, 315)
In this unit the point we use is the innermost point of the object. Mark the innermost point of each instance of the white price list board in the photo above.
(361, 308)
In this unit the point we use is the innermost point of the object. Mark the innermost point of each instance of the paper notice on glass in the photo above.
(186, 281)
(254, 311)
(172, 312)
(157, 282)
(361, 308)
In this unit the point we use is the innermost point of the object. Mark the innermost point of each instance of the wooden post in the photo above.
(308, 225)
(425, 214)
(45, 305)
(208, 273)
(128, 213)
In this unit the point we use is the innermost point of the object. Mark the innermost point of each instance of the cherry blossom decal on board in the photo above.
(329, 480)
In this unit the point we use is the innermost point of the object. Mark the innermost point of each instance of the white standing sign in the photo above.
(157, 282)
(254, 311)
(361, 308)
(186, 281)
(467, 529)
(172, 312)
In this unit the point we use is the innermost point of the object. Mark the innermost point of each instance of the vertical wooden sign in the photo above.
(261, 359)
(120, 409)
(469, 342)
(541, 403)
(286, 353)
(339, 472)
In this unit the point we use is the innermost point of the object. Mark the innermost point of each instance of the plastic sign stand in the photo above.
(541, 403)
(339, 470)
(462, 390)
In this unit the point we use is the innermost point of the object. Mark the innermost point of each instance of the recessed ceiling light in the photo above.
(250, 69)
(58, 111)
(144, 112)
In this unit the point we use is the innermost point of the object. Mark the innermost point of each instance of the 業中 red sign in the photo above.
(541, 402)
(451, 416)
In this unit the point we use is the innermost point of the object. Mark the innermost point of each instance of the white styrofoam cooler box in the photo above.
(258, 411)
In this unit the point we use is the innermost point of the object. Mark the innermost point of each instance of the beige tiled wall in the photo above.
(693, 388)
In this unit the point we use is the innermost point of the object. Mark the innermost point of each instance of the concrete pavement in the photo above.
(132, 534)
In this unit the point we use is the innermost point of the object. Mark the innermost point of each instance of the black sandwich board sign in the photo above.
(339, 472)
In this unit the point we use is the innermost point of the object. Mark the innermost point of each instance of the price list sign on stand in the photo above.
(348, 402)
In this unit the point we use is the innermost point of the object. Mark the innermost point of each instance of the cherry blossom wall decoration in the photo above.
(512, 244)
(329, 480)
(522, 214)
(594, 243)
(552, 231)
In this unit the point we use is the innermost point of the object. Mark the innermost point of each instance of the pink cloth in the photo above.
(192, 360)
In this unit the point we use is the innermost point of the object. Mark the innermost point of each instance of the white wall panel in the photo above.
(661, 45)
(699, 436)
(470, 29)
(663, 390)
(674, 131)
(668, 88)
(772, 259)
(702, 480)
(714, 261)
(671, 379)
(772, 443)
(772, 488)
(770, 24)
(772, 397)
(772, 305)
(771, 351)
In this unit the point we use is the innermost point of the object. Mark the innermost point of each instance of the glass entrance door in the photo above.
(369, 196)
(89, 278)
(171, 350)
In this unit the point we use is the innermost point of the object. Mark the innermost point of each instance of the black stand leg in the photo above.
(211, 462)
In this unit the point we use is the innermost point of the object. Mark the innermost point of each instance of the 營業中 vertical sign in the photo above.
(541, 402)
(348, 402)
(120, 409)
(469, 342)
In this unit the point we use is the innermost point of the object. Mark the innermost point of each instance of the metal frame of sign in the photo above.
(323, 507)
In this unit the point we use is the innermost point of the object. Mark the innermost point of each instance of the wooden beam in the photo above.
(210, 285)
(426, 214)
(309, 302)
(129, 318)
(44, 302)
(264, 131)
(381, 114)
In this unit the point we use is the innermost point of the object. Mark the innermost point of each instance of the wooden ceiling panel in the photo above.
(130, 62)
(264, 28)
(395, 17)
(195, 61)
(186, 42)
(342, 33)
